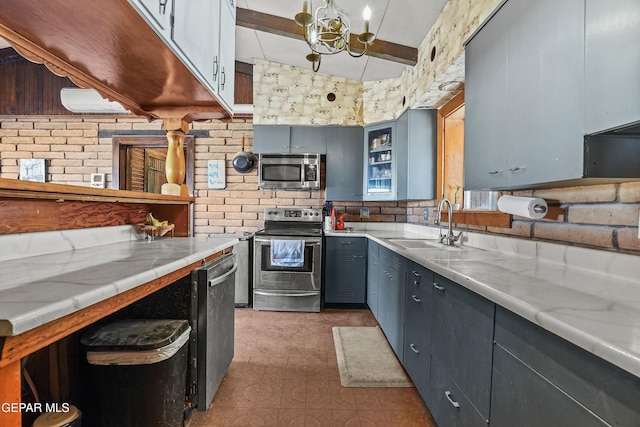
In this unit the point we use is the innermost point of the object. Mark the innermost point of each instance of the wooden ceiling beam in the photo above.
(288, 28)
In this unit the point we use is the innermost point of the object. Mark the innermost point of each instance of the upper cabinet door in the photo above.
(308, 139)
(157, 13)
(612, 68)
(485, 130)
(196, 31)
(545, 87)
(344, 163)
(227, 39)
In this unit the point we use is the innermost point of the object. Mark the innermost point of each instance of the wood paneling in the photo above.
(243, 83)
(29, 207)
(31, 89)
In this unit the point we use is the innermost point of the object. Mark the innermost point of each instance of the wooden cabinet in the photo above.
(524, 96)
(373, 276)
(391, 302)
(344, 163)
(345, 270)
(417, 328)
(540, 377)
(612, 64)
(289, 139)
(462, 350)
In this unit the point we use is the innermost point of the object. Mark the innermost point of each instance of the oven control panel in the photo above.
(288, 214)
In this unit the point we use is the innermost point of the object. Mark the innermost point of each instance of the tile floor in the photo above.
(285, 373)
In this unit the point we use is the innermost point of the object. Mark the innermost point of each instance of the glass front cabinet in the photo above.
(380, 175)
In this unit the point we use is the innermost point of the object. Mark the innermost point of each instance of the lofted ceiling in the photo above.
(266, 31)
(403, 22)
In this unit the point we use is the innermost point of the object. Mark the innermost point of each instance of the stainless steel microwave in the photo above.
(289, 171)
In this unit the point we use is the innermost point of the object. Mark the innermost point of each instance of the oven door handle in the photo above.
(222, 278)
(311, 242)
(288, 294)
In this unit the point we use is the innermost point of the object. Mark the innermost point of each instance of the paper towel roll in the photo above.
(528, 207)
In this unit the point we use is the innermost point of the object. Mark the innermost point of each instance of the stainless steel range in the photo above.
(287, 260)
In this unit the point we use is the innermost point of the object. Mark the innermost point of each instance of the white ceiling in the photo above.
(405, 22)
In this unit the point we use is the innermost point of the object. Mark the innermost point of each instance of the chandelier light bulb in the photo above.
(313, 38)
(366, 13)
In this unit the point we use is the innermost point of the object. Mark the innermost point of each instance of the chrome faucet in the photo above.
(450, 238)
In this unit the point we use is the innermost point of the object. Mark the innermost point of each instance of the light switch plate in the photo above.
(364, 213)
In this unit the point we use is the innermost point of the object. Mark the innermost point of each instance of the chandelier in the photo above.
(327, 32)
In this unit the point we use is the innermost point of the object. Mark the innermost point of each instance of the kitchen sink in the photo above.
(422, 244)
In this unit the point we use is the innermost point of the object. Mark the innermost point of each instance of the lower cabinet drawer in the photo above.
(519, 393)
(448, 405)
(608, 391)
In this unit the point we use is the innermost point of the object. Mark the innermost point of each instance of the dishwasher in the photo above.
(212, 339)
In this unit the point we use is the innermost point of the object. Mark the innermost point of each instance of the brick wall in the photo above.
(73, 151)
(602, 216)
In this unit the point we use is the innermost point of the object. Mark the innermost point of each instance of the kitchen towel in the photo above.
(287, 253)
(528, 207)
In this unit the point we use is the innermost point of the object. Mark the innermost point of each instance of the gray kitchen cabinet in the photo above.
(373, 276)
(289, 139)
(391, 298)
(308, 139)
(540, 376)
(416, 171)
(345, 274)
(382, 152)
(417, 327)
(539, 48)
(400, 160)
(227, 51)
(157, 13)
(462, 343)
(485, 97)
(344, 163)
(612, 64)
(184, 25)
(271, 138)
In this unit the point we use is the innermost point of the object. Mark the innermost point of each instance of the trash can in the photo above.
(136, 373)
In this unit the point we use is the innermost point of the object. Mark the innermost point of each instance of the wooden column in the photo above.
(175, 166)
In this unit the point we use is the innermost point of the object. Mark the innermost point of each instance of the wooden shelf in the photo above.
(33, 206)
(485, 218)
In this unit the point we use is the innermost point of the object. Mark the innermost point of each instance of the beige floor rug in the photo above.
(365, 358)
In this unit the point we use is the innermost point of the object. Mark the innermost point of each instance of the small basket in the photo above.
(157, 230)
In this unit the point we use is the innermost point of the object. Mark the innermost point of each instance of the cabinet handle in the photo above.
(496, 172)
(358, 257)
(415, 350)
(416, 299)
(438, 287)
(163, 6)
(453, 402)
(518, 169)
(215, 68)
(283, 147)
(224, 78)
(297, 147)
(416, 274)
(346, 243)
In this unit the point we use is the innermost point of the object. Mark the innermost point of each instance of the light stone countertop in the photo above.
(45, 276)
(586, 296)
